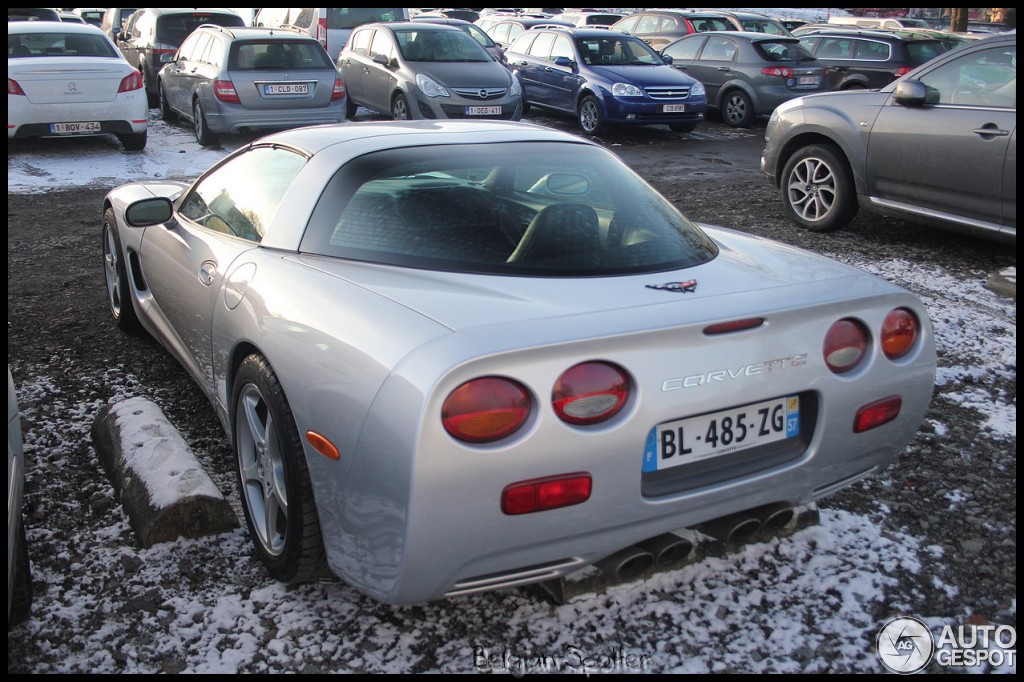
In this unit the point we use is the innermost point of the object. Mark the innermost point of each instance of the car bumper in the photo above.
(119, 117)
(648, 112)
(460, 108)
(227, 119)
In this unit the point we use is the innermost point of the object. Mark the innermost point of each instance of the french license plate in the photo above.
(72, 128)
(807, 80)
(286, 89)
(673, 108)
(483, 111)
(712, 435)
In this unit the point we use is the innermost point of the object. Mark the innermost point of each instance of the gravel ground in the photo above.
(953, 491)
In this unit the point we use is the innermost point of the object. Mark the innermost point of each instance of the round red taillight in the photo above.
(845, 345)
(485, 410)
(590, 392)
(899, 333)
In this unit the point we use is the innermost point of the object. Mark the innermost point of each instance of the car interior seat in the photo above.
(559, 230)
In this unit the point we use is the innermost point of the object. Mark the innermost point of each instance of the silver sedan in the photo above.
(462, 356)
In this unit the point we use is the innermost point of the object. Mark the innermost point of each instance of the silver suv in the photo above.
(938, 145)
(232, 80)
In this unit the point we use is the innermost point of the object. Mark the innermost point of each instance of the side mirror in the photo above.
(147, 212)
(665, 58)
(379, 59)
(910, 93)
(563, 61)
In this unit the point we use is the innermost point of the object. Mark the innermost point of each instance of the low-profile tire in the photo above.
(682, 127)
(273, 480)
(400, 108)
(119, 299)
(350, 108)
(133, 142)
(737, 109)
(202, 129)
(166, 113)
(21, 591)
(818, 190)
(590, 117)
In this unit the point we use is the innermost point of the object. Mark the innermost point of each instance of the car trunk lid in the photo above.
(56, 81)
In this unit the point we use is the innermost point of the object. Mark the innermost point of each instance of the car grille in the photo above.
(668, 92)
(482, 94)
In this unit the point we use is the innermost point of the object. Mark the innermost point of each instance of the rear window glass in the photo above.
(350, 17)
(58, 45)
(278, 54)
(921, 51)
(542, 209)
(173, 29)
(777, 51)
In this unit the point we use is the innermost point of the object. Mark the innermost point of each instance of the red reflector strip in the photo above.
(541, 494)
(734, 326)
(877, 413)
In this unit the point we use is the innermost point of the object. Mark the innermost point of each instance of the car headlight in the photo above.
(515, 90)
(429, 87)
(697, 88)
(626, 90)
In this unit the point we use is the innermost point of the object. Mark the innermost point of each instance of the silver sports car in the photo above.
(459, 356)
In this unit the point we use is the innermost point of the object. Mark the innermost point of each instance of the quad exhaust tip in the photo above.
(668, 549)
(734, 529)
(773, 517)
(627, 563)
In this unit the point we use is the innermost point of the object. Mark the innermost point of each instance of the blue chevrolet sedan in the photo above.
(604, 77)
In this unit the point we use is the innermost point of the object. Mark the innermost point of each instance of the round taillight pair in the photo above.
(488, 409)
(847, 340)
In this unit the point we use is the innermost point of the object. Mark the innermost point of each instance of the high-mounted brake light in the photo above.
(590, 392)
(485, 410)
(733, 326)
(845, 345)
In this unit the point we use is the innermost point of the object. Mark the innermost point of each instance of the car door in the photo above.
(174, 77)
(684, 53)
(956, 154)
(379, 75)
(353, 62)
(714, 64)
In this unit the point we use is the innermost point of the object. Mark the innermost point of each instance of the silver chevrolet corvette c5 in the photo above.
(462, 356)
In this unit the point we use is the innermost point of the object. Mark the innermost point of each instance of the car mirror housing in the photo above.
(147, 212)
(667, 59)
(910, 93)
(380, 59)
(563, 61)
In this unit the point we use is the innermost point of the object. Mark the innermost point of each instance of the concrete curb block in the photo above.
(163, 488)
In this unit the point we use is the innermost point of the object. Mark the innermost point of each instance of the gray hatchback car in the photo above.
(937, 146)
(232, 80)
(748, 74)
(426, 71)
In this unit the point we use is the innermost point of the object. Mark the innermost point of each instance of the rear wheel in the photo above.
(400, 108)
(133, 142)
(202, 129)
(273, 480)
(166, 113)
(737, 109)
(115, 273)
(590, 116)
(350, 108)
(818, 190)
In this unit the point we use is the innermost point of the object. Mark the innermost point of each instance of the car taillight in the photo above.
(339, 89)
(590, 392)
(132, 81)
(225, 92)
(780, 71)
(539, 494)
(845, 345)
(13, 88)
(903, 71)
(485, 410)
(877, 413)
(899, 333)
(321, 32)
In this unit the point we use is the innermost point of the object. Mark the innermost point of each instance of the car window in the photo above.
(277, 55)
(382, 45)
(517, 208)
(778, 51)
(627, 24)
(563, 48)
(241, 196)
(871, 51)
(477, 34)
(58, 45)
(522, 43)
(718, 50)
(648, 24)
(174, 28)
(360, 43)
(921, 51)
(987, 78)
(835, 48)
(763, 26)
(188, 47)
(500, 33)
(541, 47)
(685, 49)
(350, 17)
(214, 53)
(202, 44)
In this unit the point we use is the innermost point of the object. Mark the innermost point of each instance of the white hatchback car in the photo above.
(66, 79)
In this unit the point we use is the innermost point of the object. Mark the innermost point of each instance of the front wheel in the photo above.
(590, 116)
(400, 108)
(273, 480)
(119, 298)
(166, 113)
(202, 129)
(737, 109)
(818, 190)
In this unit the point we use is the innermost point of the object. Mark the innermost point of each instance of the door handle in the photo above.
(990, 130)
(207, 271)
(724, 68)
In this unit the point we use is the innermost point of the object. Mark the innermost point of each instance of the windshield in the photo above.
(616, 50)
(439, 46)
(534, 208)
